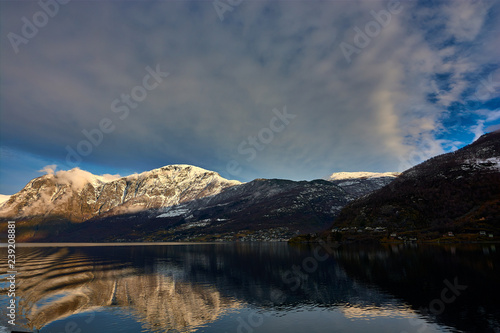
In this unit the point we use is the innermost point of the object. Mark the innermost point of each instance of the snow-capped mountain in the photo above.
(78, 195)
(361, 175)
(362, 183)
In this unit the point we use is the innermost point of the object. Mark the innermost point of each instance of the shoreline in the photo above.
(290, 242)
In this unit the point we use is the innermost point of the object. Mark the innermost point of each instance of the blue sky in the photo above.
(269, 89)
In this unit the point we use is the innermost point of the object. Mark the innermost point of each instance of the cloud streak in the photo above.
(396, 95)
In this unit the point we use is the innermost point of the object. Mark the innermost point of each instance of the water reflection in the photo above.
(452, 285)
(60, 282)
(186, 288)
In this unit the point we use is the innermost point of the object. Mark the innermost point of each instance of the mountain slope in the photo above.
(457, 192)
(262, 209)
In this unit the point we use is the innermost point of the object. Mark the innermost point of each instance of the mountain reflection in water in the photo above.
(217, 287)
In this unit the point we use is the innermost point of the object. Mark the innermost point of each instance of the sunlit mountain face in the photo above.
(78, 195)
(217, 287)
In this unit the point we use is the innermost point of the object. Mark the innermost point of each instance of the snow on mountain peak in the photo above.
(4, 198)
(361, 174)
(174, 170)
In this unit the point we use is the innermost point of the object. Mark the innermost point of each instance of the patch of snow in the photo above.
(4, 198)
(494, 161)
(199, 224)
(173, 213)
(347, 183)
(335, 209)
(106, 178)
(491, 163)
(361, 174)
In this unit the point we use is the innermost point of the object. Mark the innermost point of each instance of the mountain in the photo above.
(457, 194)
(78, 195)
(176, 202)
(361, 183)
(262, 209)
(75, 196)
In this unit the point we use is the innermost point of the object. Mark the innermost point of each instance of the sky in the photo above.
(249, 89)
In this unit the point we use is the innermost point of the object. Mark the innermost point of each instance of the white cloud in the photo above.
(492, 115)
(78, 178)
(464, 18)
(482, 127)
(478, 130)
(49, 169)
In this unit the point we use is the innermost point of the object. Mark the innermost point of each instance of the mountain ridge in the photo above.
(450, 196)
(176, 197)
(263, 209)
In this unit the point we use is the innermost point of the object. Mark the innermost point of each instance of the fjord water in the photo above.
(255, 287)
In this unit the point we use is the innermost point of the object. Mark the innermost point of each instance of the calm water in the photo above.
(255, 287)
